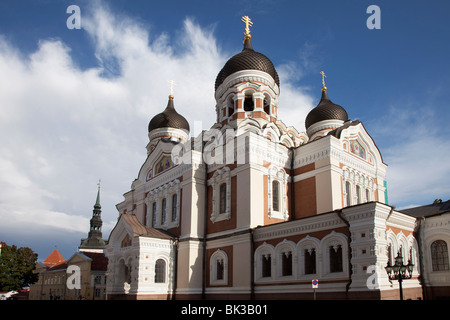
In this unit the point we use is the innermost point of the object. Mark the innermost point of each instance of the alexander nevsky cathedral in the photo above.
(254, 209)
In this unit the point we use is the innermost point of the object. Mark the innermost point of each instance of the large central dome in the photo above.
(247, 59)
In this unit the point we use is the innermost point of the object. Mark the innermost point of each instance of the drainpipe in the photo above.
(350, 267)
(205, 226)
(175, 268)
(291, 174)
(252, 265)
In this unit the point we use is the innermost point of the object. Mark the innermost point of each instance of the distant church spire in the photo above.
(94, 240)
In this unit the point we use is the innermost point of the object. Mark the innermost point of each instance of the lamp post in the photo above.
(398, 271)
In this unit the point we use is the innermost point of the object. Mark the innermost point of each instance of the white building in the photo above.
(254, 209)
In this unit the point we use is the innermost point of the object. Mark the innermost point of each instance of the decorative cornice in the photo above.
(302, 226)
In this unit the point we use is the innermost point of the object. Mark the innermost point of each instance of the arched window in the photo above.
(336, 258)
(348, 192)
(310, 261)
(160, 271)
(275, 195)
(266, 263)
(439, 255)
(267, 104)
(218, 267)
(164, 211)
(286, 263)
(358, 194)
(248, 102)
(230, 106)
(154, 214)
(223, 198)
(174, 207)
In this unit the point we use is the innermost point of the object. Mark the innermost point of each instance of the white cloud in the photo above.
(64, 127)
(416, 154)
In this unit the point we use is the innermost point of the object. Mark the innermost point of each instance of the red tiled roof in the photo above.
(99, 260)
(54, 259)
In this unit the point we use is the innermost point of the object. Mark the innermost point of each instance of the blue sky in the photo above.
(76, 103)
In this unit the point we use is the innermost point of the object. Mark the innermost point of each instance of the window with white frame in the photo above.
(334, 248)
(439, 256)
(163, 205)
(221, 194)
(160, 271)
(357, 187)
(264, 258)
(218, 268)
(277, 195)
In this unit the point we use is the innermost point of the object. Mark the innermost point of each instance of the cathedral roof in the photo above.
(169, 118)
(247, 59)
(325, 110)
(141, 230)
(436, 208)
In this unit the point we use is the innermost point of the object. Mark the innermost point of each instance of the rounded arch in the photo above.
(392, 246)
(264, 259)
(285, 255)
(308, 251)
(334, 251)
(218, 268)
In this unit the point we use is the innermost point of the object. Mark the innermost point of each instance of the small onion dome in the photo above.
(247, 59)
(325, 110)
(169, 118)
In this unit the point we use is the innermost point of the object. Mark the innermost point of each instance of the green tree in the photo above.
(16, 267)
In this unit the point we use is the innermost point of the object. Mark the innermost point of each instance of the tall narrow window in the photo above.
(367, 195)
(336, 259)
(219, 269)
(347, 190)
(230, 107)
(276, 195)
(310, 261)
(358, 194)
(267, 105)
(266, 265)
(160, 271)
(248, 103)
(439, 255)
(153, 214)
(223, 198)
(174, 207)
(163, 211)
(286, 263)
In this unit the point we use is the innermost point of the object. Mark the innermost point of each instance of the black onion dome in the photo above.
(325, 110)
(169, 118)
(247, 59)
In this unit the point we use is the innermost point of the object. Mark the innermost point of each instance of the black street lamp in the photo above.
(398, 271)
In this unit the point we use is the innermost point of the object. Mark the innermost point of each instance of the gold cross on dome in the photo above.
(323, 80)
(172, 84)
(248, 24)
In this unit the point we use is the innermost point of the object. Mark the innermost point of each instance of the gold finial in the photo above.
(323, 81)
(172, 84)
(248, 24)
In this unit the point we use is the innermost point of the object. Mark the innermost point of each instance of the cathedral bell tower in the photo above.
(94, 242)
(247, 87)
(169, 125)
